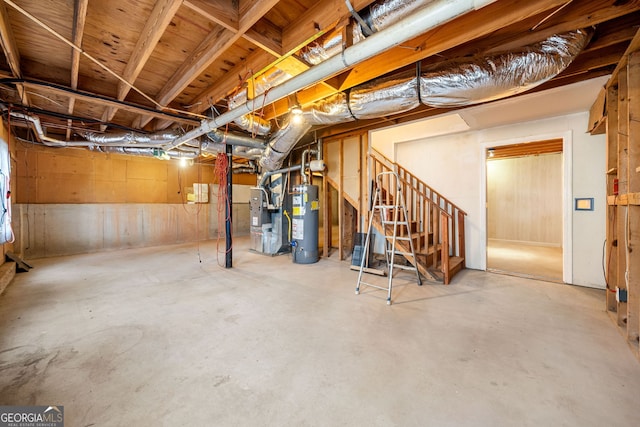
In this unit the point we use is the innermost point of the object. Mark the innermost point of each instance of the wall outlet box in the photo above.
(621, 295)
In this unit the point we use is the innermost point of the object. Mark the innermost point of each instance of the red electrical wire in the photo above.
(220, 173)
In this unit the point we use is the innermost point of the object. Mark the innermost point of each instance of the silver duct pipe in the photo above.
(384, 97)
(465, 83)
(282, 142)
(144, 152)
(249, 122)
(456, 84)
(377, 16)
(266, 175)
(303, 165)
(422, 20)
(37, 127)
(236, 139)
(331, 110)
(244, 170)
(323, 48)
(216, 148)
(385, 13)
(130, 138)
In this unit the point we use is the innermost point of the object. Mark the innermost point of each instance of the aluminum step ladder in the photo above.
(392, 218)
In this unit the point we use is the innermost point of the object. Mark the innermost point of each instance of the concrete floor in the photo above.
(152, 336)
(540, 262)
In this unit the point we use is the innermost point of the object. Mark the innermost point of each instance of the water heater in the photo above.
(304, 224)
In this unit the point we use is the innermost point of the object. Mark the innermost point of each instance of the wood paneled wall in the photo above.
(54, 175)
(524, 199)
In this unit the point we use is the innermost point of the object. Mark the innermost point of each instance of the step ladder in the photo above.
(393, 218)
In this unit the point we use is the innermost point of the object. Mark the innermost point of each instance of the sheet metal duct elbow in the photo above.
(282, 143)
(489, 78)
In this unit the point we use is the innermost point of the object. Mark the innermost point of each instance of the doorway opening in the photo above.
(524, 209)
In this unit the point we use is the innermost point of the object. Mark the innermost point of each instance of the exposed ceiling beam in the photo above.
(633, 47)
(263, 34)
(321, 17)
(477, 24)
(577, 15)
(79, 20)
(480, 23)
(106, 102)
(214, 45)
(160, 18)
(232, 80)
(614, 32)
(222, 12)
(11, 49)
(266, 36)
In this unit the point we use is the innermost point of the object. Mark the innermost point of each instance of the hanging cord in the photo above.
(199, 166)
(606, 279)
(220, 173)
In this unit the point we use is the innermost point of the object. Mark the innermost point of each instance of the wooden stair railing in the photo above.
(437, 224)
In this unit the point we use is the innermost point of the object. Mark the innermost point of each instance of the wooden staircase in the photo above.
(437, 225)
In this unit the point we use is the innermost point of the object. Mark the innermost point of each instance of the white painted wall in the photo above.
(455, 166)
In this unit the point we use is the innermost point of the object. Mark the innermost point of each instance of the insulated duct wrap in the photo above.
(216, 148)
(282, 143)
(248, 122)
(236, 139)
(128, 138)
(385, 96)
(323, 48)
(328, 111)
(271, 78)
(145, 152)
(385, 13)
(484, 79)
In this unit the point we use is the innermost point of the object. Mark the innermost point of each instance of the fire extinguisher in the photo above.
(615, 186)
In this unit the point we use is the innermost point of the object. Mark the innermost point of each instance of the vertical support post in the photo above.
(612, 209)
(461, 244)
(340, 202)
(633, 171)
(228, 262)
(623, 188)
(326, 208)
(444, 223)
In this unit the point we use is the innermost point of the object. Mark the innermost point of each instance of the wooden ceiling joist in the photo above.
(191, 54)
(106, 102)
(222, 12)
(11, 50)
(79, 21)
(216, 43)
(160, 18)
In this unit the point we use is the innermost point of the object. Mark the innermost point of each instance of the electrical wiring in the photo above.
(188, 117)
(221, 167)
(606, 278)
